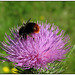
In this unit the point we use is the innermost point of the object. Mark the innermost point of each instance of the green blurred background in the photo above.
(60, 13)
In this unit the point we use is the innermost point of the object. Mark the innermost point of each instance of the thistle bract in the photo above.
(48, 45)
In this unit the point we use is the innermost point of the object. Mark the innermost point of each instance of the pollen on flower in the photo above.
(46, 48)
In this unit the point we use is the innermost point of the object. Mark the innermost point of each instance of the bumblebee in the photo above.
(28, 29)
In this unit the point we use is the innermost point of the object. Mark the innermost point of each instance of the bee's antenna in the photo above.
(27, 22)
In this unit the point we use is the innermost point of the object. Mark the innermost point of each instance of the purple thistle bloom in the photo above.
(46, 47)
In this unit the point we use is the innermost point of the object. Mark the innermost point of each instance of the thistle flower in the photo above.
(48, 45)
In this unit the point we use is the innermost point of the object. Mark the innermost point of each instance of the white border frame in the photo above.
(37, 0)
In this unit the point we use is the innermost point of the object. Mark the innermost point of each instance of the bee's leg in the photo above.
(31, 36)
(25, 36)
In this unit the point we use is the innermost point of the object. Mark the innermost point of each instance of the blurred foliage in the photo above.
(60, 13)
(14, 70)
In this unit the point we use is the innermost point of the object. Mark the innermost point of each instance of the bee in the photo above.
(28, 29)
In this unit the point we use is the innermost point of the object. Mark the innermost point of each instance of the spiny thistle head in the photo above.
(47, 46)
